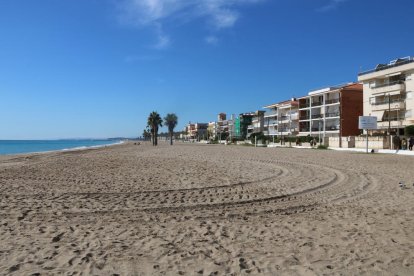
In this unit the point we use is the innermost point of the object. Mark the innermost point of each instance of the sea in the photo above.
(29, 146)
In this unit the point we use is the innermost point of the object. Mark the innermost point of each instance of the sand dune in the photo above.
(206, 210)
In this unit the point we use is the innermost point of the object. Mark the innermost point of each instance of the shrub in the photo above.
(259, 136)
(409, 130)
(322, 147)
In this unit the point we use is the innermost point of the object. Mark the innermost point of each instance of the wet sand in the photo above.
(206, 210)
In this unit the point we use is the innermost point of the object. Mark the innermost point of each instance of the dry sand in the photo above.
(206, 210)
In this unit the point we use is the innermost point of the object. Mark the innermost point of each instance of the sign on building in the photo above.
(367, 122)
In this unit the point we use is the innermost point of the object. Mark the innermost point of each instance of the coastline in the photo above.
(64, 150)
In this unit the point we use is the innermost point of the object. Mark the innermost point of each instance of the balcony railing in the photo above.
(386, 101)
(271, 122)
(304, 129)
(388, 84)
(284, 130)
(305, 105)
(332, 128)
(316, 103)
(257, 129)
(332, 101)
(332, 114)
(393, 118)
(270, 113)
(316, 116)
(317, 129)
(302, 118)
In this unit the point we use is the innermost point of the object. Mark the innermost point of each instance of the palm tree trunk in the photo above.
(171, 140)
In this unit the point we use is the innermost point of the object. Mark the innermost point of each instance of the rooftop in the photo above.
(393, 63)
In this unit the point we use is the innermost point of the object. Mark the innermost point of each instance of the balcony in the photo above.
(332, 114)
(304, 118)
(384, 105)
(257, 129)
(393, 118)
(388, 87)
(304, 105)
(272, 113)
(332, 101)
(270, 122)
(317, 116)
(316, 104)
(332, 128)
(304, 129)
(294, 117)
(272, 132)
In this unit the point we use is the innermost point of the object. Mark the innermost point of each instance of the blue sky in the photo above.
(97, 68)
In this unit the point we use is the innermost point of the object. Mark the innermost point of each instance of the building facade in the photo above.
(331, 111)
(281, 119)
(389, 95)
(197, 131)
(257, 124)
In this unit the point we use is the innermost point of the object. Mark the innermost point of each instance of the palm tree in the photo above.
(146, 134)
(154, 122)
(171, 121)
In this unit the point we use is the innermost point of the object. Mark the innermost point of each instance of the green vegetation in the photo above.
(154, 122)
(322, 147)
(409, 130)
(171, 121)
(259, 137)
(146, 134)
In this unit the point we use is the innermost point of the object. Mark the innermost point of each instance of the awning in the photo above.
(394, 74)
(378, 114)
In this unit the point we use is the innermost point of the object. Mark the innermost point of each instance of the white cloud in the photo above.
(331, 5)
(218, 14)
(213, 40)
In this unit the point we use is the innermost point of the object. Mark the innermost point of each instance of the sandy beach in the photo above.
(193, 209)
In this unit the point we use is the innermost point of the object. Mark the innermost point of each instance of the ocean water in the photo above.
(29, 146)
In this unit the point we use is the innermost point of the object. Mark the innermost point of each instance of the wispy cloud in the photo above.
(331, 5)
(211, 39)
(219, 14)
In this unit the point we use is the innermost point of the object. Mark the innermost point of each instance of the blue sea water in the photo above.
(29, 146)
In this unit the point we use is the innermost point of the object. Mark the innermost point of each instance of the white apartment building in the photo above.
(389, 94)
(282, 119)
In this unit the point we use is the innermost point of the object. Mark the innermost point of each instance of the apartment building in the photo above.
(257, 124)
(197, 130)
(241, 124)
(389, 94)
(212, 130)
(331, 111)
(281, 119)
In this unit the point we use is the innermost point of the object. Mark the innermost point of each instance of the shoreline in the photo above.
(63, 150)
